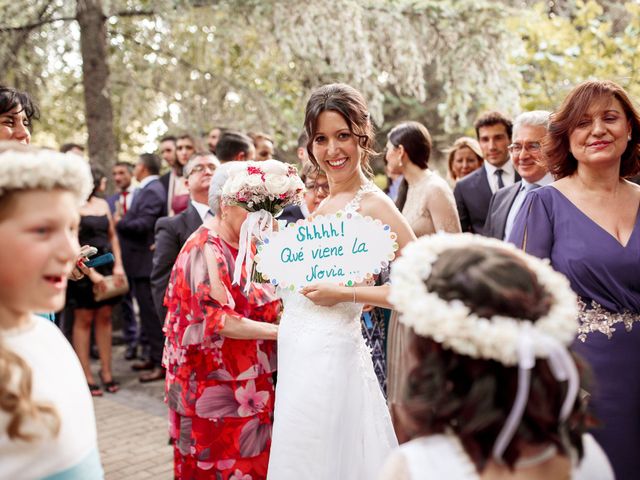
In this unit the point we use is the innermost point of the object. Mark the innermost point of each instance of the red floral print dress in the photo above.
(219, 390)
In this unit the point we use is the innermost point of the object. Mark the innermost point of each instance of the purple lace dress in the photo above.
(606, 276)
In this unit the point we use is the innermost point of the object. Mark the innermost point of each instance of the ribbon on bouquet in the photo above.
(259, 225)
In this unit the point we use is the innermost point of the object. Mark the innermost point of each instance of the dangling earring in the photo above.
(629, 138)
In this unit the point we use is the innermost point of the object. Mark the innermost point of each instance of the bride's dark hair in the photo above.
(351, 105)
(471, 397)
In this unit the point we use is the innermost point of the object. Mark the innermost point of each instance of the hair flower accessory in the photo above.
(263, 189)
(454, 325)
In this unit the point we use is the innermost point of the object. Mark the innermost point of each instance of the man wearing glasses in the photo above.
(526, 154)
(172, 232)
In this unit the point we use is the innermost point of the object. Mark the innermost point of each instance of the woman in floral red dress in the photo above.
(220, 354)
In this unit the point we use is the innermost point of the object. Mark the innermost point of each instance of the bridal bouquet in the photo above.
(268, 186)
(263, 189)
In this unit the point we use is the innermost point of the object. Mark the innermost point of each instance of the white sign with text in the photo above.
(343, 248)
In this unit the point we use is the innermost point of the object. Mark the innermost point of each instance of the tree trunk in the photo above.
(95, 79)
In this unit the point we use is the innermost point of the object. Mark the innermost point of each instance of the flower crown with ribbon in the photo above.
(504, 339)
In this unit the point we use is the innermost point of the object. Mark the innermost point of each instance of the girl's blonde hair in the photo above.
(24, 168)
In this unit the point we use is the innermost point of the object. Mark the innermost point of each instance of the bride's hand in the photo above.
(326, 294)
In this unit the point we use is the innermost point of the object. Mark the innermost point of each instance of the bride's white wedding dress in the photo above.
(331, 420)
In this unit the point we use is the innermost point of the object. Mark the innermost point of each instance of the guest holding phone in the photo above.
(96, 229)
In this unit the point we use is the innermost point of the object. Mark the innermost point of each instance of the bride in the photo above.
(331, 421)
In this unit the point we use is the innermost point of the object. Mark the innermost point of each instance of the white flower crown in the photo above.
(452, 324)
(24, 167)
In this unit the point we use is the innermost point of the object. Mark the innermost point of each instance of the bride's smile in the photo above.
(335, 147)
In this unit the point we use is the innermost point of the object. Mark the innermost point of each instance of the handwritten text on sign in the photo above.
(340, 248)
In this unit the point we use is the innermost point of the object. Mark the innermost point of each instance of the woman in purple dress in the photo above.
(587, 224)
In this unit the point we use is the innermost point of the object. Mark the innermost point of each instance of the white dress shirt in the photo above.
(147, 180)
(202, 209)
(508, 175)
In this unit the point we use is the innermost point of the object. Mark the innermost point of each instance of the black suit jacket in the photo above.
(135, 229)
(499, 209)
(291, 213)
(171, 235)
(473, 195)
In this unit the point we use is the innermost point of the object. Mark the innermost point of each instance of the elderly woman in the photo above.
(220, 352)
(587, 224)
(465, 156)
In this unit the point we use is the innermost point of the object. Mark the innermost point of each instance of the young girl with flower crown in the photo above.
(494, 392)
(47, 424)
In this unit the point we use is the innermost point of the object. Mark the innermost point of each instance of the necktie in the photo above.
(498, 174)
(124, 202)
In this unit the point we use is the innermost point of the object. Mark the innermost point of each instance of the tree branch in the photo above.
(31, 26)
(46, 21)
(133, 13)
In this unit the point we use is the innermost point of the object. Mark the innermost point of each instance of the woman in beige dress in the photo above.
(427, 203)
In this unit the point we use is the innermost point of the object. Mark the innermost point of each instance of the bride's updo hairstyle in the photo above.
(472, 397)
(351, 105)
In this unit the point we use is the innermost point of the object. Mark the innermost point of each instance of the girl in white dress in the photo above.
(494, 390)
(47, 422)
(331, 421)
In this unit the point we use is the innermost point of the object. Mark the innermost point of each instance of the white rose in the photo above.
(253, 181)
(295, 183)
(233, 185)
(274, 166)
(276, 184)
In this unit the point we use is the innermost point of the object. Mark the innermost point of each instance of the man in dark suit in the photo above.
(526, 154)
(173, 232)
(120, 201)
(473, 192)
(136, 232)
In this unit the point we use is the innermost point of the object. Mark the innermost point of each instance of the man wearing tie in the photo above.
(120, 202)
(473, 192)
(528, 131)
(135, 230)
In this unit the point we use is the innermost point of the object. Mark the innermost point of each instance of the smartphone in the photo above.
(99, 261)
(88, 251)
